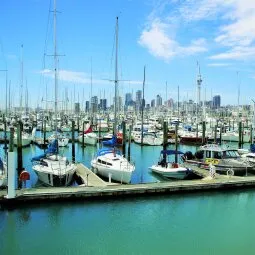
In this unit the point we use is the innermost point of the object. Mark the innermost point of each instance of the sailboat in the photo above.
(51, 168)
(109, 162)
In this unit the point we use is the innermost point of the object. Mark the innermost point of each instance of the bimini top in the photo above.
(171, 152)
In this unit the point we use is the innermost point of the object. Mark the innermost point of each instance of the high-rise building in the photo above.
(103, 104)
(216, 102)
(153, 103)
(94, 104)
(87, 106)
(128, 99)
(138, 100)
(77, 108)
(158, 101)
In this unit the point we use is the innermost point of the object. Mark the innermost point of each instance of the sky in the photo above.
(169, 37)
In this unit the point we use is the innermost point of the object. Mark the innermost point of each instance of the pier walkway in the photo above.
(39, 195)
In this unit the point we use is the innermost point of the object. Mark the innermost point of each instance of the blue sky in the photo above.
(168, 36)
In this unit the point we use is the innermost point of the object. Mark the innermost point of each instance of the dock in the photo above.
(86, 193)
(89, 178)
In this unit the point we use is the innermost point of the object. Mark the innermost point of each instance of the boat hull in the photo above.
(179, 173)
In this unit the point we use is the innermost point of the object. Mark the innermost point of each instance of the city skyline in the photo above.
(169, 37)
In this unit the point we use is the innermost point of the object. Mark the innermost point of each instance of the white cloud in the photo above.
(233, 27)
(158, 40)
(236, 53)
(219, 64)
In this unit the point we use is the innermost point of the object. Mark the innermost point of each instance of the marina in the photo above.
(127, 127)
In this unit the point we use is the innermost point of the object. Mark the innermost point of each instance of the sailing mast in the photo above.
(55, 65)
(116, 80)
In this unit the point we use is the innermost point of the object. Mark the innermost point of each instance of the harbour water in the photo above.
(200, 223)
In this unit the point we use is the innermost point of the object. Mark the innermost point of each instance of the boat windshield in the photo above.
(230, 154)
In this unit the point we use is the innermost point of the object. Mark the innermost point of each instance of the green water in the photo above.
(204, 223)
(201, 223)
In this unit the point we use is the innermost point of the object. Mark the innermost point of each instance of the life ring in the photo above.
(230, 172)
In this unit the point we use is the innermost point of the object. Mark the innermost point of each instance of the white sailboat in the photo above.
(51, 168)
(108, 162)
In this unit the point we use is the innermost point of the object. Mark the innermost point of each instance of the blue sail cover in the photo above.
(111, 142)
(53, 147)
(252, 148)
(171, 152)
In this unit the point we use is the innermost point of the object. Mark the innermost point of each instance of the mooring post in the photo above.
(215, 134)
(203, 135)
(240, 135)
(164, 140)
(251, 134)
(11, 168)
(129, 142)
(73, 144)
(176, 142)
(5, 135)
(124, 138)
(83, 127)
(44, 133)
(19, 152)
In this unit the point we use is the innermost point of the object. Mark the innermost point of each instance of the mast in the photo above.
(55, 62)
(116, 80)
(143, 105)
(21, 78)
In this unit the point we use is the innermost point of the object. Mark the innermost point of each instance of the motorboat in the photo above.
(167, 168)
(149, 138)
(225, 159)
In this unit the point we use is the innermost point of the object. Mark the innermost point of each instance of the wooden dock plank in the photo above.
(89, 178)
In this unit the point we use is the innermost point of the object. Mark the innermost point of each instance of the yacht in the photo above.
(52, 169)
(110, 164)
(225, 159)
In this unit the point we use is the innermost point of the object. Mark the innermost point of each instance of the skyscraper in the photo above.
(158, 101)
(216, 102)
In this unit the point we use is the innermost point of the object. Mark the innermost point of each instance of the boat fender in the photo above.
(175, 165)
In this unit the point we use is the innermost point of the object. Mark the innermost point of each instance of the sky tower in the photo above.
(199, 82)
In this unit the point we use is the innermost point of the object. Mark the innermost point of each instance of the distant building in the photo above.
(138, 100)
(152, 103)
(77, 108)
(128, 99)
(216, 102)
(87, 106)
(158, 101)
(94, 104)
(103, 104)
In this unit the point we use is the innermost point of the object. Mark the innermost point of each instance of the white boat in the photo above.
(3, 173)
(225, 159)
(26, 138)
(110, 164)
(170, 169)
(149, 138)
(62, 139)
(90, 137)
(52, 169)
